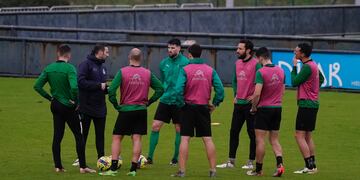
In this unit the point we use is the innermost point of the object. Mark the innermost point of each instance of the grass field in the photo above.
(26, 136)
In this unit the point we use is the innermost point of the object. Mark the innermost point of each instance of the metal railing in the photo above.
(112, 7)
(145, 6)
(197, 5)
(72, 8)
(24, 9)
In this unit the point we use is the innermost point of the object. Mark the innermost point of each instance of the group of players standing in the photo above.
(184, 90)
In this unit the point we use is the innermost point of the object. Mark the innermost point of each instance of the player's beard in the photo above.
(172, 56)
(243, 56)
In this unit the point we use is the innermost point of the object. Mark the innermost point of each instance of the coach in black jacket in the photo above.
(92, 89)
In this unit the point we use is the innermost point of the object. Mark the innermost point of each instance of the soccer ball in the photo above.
(142, 162)
(104, 163)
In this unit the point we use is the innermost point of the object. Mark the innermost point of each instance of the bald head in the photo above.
(135, 54)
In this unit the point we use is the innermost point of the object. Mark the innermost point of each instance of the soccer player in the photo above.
(61, 77)
(167, 108)
(194, 89)
(269, 90)
(134, 82)
(243, 86)
(92, 77)
(308, 81)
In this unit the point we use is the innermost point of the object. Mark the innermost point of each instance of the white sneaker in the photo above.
(306, 171)
(226, 165)
(76, 163)
(248, 165)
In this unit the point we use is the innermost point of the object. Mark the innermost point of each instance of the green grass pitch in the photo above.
(26, 137)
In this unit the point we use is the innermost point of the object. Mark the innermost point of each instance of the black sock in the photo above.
(308, 163)
(114, 164)
(313, 161)
(279, 160)
(133, 166)
(258, 167)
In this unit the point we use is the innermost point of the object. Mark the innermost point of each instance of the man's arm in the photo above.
(157, 87)
(84, 83)
(218, 88)
(113, 88)
(257, 93)
(73, 85)
(179, 88)
(40, 83)
(234, 81)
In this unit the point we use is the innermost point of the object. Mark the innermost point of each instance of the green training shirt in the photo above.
(62, 80)
(169, 72)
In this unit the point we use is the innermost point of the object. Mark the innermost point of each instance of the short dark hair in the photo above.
(63, 49)
(97, 48)
(305, 48)
(195, 50)
(263, 52)
(174, 41)
(248, 44)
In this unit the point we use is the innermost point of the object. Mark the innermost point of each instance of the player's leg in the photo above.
(162, 115)
(184, 152)
(59, 128)
(74, 124)
(211, 154)
(99, 124)
(250, 121)
(276, 147)
(175, 116)
(136, 140)
(237, 122)
(302, 126)
(85, 124)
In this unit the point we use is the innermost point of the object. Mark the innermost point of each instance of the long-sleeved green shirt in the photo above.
(216, 83)
(155, 84)
(62, 80)
(169, 71)
(297, 79)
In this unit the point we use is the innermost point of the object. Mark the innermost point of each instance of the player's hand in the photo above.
(250, 98)
(235, 100)
(253, 110)
(295, 61)
(103, 86)
(211, 107)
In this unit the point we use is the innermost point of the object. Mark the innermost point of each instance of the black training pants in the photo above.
(62, 114)
(241, 114)
(99, 124)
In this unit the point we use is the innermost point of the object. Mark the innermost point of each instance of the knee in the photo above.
(156, 126)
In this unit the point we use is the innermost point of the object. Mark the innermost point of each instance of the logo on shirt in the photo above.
(136, 79)
(199, 76)
(241, 75)
(104, 72)
(274, 80)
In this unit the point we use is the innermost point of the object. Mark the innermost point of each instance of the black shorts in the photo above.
(306, 119)
(131, 122)
(166, 112)
(195, 117)
(268, 119)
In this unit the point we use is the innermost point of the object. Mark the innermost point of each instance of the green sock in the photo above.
(177, 145)
(154, 138)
